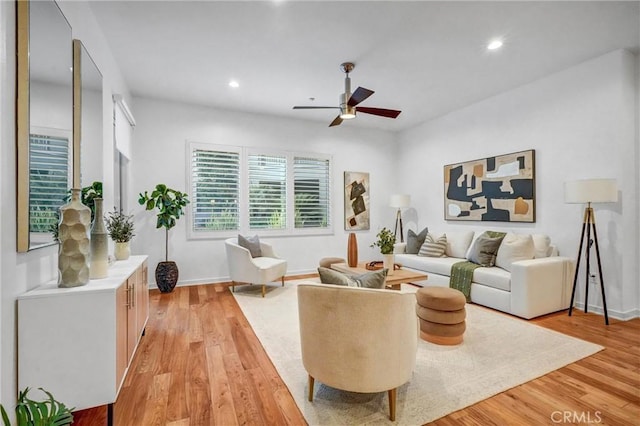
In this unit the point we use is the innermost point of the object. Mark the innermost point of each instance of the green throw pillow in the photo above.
(373, 279)
(415, 241)
(485, 247)
(329, 276)
(252, 244)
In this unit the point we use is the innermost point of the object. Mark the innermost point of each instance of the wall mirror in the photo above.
(44, 120)
(87, 117)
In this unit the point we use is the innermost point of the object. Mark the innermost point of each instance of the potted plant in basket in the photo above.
(120, 229)
(385, 242)
(170, 204)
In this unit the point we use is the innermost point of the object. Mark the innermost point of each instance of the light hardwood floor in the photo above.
(201, 364)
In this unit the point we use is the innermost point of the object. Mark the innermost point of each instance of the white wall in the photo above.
(159, 157)
(581, 122)
(20, 272)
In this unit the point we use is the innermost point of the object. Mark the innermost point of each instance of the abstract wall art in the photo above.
(356, 201)
(498, 189)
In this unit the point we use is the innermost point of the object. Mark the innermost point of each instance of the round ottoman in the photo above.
(442, 315)
(326, 262)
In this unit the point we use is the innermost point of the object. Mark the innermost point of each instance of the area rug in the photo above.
(498, 353)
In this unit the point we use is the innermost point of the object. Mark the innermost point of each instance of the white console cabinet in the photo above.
(77, 343)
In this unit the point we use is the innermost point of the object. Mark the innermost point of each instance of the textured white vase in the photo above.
(387, 262)
(99, 244)
(73, 233)
(122, 251)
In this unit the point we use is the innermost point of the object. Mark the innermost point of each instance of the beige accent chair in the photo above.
(244, 269)
(358, 339)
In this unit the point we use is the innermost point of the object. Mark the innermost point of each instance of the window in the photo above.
(49, 174)
(238, 190)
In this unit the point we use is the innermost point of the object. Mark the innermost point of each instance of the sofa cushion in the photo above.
(513, 248)
(485, 247)
(542, 244)
(433, 247)
(435, 265)
(415, 241)
(458, 243)
(329, 276)
(252, 244)
(494, 277)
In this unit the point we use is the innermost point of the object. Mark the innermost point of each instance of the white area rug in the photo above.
(498, 353)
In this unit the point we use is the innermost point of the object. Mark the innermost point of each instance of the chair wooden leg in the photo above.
(233, 286)
(311, 382)
(392, 404)
(283, 281)
(264, 287)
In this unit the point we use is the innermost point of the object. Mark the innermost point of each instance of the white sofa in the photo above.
(525, 288)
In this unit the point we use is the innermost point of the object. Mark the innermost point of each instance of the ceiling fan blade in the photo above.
(336, 121)
(359, 95)
(389, 113)
(315, 107)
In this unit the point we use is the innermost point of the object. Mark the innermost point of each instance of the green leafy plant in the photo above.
(170, 204)
(119, 226)
(385, 241)
(39, 413)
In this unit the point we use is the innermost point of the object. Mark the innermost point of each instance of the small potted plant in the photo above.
(385, 242)
(120, 229)
(170, 204)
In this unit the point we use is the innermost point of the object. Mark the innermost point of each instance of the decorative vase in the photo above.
(73, 233)
(99, 244)
(166, 276)
(122, 251)
(352, 250)
(387, 262)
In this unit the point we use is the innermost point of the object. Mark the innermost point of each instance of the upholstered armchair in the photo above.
(244, 269)
(358, 339)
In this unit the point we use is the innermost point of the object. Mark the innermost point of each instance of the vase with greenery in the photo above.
(170, 204)
(47, 412)
(120, 229)
(385, 241)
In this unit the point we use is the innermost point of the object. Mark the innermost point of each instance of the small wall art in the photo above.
(356, 201)
(498, 189)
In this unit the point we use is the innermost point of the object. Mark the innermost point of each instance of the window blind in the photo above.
(267, 191)
(311, 192)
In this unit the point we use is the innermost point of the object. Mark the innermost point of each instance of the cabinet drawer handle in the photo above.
(128, 304)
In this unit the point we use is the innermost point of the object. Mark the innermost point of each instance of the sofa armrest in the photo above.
(399, 248)
(541, 286)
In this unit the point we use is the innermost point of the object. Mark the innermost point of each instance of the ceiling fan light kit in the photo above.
(348, 101)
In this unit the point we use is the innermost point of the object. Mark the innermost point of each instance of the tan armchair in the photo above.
(244, 269)
(358, 339)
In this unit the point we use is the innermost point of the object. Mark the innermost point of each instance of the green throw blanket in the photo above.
(461, 277)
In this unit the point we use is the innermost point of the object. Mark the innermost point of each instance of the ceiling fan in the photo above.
(348, 101)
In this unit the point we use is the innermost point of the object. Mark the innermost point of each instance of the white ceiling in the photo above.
(424, 58)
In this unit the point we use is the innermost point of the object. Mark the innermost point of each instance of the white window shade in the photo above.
(124, 124)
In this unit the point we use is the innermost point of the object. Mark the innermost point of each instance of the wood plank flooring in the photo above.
(201, 364)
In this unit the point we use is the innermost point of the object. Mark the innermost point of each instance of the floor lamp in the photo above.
(589, 191)
(399, 201)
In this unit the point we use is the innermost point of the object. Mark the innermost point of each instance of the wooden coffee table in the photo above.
(392, 281)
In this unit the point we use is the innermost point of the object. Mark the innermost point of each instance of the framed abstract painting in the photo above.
(493, 189)
(356, 201)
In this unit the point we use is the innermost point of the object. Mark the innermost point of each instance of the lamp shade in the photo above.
(400, 201)
(591, 191)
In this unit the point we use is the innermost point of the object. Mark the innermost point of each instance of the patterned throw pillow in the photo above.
(433, 247)
(415, 241)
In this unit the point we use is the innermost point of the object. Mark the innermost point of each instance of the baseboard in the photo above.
(623, 316)
(292, 275)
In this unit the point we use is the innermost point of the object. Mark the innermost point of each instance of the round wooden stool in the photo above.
(442, 315)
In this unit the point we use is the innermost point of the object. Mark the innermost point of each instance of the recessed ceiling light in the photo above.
(494, 44)
(234, 84)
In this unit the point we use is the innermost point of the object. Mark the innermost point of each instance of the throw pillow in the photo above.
(373, 279)
(514, 248)
(542, 244)
(458, 243)
(329, 276)
(252, 244)
(415, 241)
(484, 248)
(432, 247)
